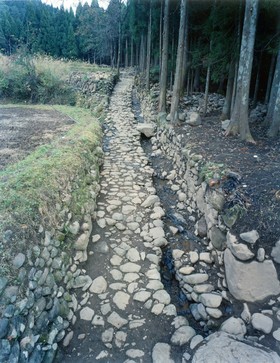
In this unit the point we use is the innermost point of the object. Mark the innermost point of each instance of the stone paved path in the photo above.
(125, 315)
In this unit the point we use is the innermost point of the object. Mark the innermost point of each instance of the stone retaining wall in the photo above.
(37, 304)
(195, 193)
(221, 267)
(92, 87)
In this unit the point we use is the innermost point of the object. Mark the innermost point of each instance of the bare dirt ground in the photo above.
(259, 166)
(24, 129)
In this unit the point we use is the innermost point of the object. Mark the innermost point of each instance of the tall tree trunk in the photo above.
(172, 59)
(185, 62)
(149, 37)
(119, 51)
(185, 57)
(239, 120)
(273, 92)
(257, 83)
(206, 90)
(164, 59)
(112, 55)
(137, 55)
(227, 105)
(238, 26)
(179, 63)
(234, 86)
(160, 33)
(142, 54)
(269, 79)
(275, 124)
(126, 53)
(131, 52)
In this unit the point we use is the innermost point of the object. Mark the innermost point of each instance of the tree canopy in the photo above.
(131, 34)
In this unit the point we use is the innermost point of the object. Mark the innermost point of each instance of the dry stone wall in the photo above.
(202, 194)
(223, 270)
(37, 304)
(92, 87)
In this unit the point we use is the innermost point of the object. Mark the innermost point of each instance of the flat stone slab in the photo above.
(86, 313)
(130, 267)
(221, 347)
(253, 281)
(99, 285)
(197, 278)
(116, 320)
(148, 129)
(161, 353)
(121, 299)
(142, 296)
(162, 296)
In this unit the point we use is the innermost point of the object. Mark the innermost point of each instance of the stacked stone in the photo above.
(93, 89)
(38, 307)
(36, 304)
(91, 83)
(193, 271)
(128, 299)
(190, 104)
(224, 267)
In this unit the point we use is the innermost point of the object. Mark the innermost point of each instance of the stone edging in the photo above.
(37, 307)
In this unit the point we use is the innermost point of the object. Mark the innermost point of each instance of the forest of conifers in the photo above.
(194, 45)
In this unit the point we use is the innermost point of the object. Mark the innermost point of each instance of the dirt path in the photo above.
(125, 315)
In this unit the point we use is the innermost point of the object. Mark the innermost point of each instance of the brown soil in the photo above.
(259, 166)
(23, 129)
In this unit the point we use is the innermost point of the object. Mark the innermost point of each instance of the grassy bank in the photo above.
(41, 79)
(38, 182)
(53, 181)
(57, 183)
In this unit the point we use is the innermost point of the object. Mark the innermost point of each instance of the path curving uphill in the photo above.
(125, 315)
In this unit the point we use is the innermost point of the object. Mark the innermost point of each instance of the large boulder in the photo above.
(194, 119)
(251, 282)
(147, 129)
(222, 347)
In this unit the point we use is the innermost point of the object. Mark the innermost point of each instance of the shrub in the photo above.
(35, 79)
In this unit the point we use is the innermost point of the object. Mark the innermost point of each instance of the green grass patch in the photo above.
(76, 66)
(56, 183)
(32, 189)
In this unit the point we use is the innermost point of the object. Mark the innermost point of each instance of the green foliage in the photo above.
(34, 186)
(212, 171)
(22, 78)
(25, 78)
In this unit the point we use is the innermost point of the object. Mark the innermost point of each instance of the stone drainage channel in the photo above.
(124, 314)
(177, 226)
(131, 310)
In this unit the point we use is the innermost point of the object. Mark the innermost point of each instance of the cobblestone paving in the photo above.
(125, 315)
